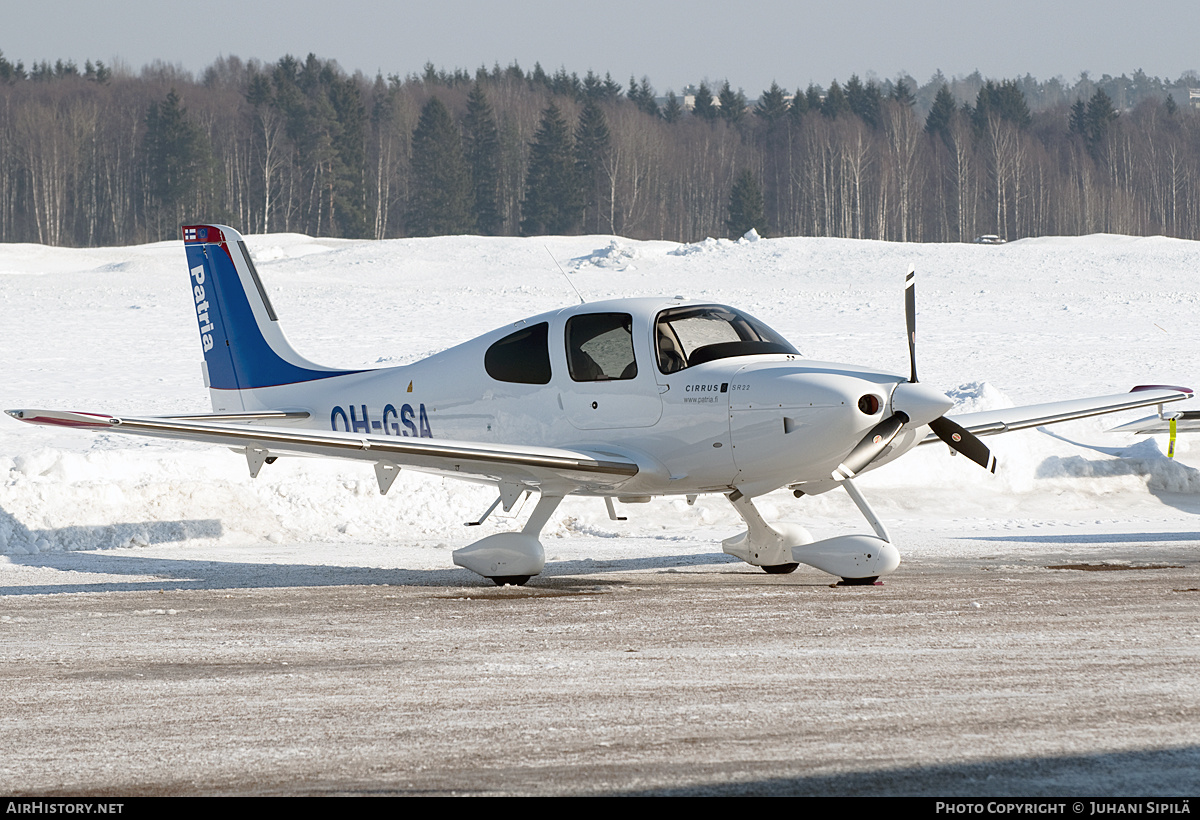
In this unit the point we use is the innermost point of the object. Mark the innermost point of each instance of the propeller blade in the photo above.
(955, 435)
(910, 318)
(961, 440)
(874, 442)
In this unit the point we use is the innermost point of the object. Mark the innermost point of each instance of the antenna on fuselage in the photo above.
(582, 301)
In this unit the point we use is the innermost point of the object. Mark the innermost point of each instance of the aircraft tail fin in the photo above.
(244, 346)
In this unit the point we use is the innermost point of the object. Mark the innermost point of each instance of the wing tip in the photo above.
(1177, 388)
(60, 418)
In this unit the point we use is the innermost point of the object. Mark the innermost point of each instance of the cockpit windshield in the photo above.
(688, 336)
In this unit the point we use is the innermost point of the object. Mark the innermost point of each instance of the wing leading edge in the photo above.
(549, 468)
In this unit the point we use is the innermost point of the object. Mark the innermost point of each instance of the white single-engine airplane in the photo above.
(625, 399)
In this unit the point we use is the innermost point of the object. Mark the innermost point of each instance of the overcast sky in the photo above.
(674, 43)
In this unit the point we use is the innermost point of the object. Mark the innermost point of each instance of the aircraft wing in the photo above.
(551, 468)
(991, 422)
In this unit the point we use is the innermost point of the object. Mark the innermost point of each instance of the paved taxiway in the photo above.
(964, 676)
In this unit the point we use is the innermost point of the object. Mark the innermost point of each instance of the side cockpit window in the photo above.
(600, 347)
(688, 336)
(522, 357)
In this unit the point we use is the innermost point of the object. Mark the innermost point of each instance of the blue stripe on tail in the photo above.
(236, 350)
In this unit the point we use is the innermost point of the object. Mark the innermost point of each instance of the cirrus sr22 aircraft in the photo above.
(623, 399)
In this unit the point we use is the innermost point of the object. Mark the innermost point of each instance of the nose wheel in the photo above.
(858, 582)
(514, 580)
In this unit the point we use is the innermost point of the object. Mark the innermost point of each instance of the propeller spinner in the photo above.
(917, 404)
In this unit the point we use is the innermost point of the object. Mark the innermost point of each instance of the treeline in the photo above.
(99, 157)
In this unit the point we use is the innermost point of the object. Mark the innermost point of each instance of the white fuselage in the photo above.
(750, 422)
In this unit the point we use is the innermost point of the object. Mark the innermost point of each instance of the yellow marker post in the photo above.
(1171, 444)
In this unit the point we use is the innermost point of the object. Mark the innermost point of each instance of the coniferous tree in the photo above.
(567, 85)
(325, 123)
(642, 96)
(553, 200)
(733, 104)
(798, 107)
(856, 96)
(746, 208)
(1092, 121)
(1077, 119)
(348, 204)
(1100, 113)
(593, 88)
(942, 112)
(612, 88)
(812, 97)
(386, 148)
(11, 72)
(772, 105)
(634, 93)
(1004, 101)
(442, 198)
(482, 150)
(835, 103)
(872, 113)
(591, 160)
(1012, 104)
(902, 94)
(703, 106)
(775, 141)
(864, 101)
(177, 157)
(672, 110)
(512, 72)
(97, 73)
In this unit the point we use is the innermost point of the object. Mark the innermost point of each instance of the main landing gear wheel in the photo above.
(780, 569)
(515, 580)
(858, 582)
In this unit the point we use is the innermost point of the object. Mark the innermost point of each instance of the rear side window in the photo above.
(522, 357)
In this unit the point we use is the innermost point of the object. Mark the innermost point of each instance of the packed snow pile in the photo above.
(976, 397)
(707, 245)
(1144, 461)
(113, 330)
(617, 256)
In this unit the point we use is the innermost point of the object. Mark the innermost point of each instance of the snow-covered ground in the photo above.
(113, 330)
